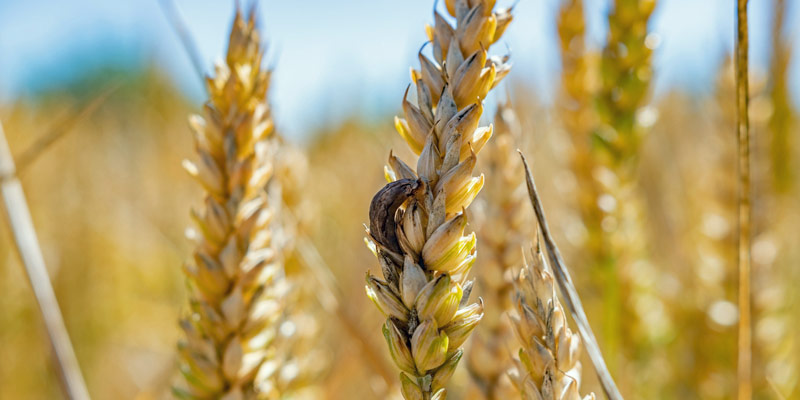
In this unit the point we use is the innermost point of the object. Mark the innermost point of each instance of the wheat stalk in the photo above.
(417, 222)
(27, 243)
(745, 391)
(236, 277)
(503, 234)
(549, 364)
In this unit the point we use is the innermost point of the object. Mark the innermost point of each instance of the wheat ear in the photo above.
(235, 277)
(578, 81)
(625, 72)
(568, 290)
(418, 221)
(503, 234)
(549, 364)
(305, 360)
(623, 267)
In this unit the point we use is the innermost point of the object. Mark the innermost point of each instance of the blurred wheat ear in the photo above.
(27, 243)
(549, 364)
(236, 278)
(569, 291)
(503, 232)
(329, 293)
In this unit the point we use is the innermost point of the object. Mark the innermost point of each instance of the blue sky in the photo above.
(337, 58)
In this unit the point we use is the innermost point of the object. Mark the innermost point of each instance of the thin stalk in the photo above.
(19, 219)
(29, 155)
(171, 13)
(743, 135)
(569, 292)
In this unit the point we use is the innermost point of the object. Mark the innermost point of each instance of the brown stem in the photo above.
(743, 135)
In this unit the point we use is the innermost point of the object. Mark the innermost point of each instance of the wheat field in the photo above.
(351, 218)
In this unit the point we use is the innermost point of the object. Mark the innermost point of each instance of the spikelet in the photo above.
(503, 234)
(235, 278)
(418, 222)
(549, 364)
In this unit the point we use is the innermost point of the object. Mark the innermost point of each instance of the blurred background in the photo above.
(110, 201)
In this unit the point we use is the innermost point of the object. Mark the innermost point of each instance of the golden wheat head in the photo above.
(417, 222)
(235, 277)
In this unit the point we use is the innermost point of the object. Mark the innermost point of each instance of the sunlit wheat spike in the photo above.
(625, 74)
(235, 278)
(549, 364)
(503, 233)
(614, 209)
(576, 112)
(418, 222)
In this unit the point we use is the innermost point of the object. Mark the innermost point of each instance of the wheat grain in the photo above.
(417, 222)
(549, 364)
(503, 234)
(236, 277)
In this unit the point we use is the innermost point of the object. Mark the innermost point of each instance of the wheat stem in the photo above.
(743, 136)
(19, 219)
